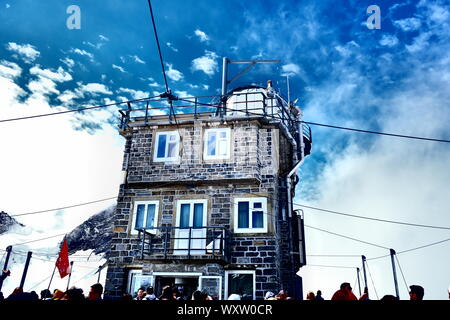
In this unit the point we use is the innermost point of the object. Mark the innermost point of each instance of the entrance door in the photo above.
(191, 223)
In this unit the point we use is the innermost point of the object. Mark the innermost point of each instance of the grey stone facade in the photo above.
(261, 156)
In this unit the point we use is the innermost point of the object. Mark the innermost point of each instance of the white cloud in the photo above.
(182, 94)
(419, 43)
(206, 63)
(171, 47)
(201, 35)
(121, 69)
(135, 94)
(94, 88)
(103, 38)
(26, 51)
(290, 69)
(9, 70)
(8, 6)
(70, 63)
(173, 74)
(137, 59)
(408, 24)
(388, 40)
(59, 76)
(83, 53)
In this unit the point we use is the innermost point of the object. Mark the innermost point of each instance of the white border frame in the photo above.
(228, 272)
(263, 200)
(205, 144)
(177, 150)
(211, 277)
(191, 213)
(138, 272)
(133, 220)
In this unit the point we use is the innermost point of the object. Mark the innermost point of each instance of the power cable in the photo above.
(168, 93)
(251, 113)
(413, 249)
(370, 218)
(371, 279)
(76, 110)
(328, 266)
(61, 208)
(58, 235)
(401, 271)
(39, 283)
(346, 237)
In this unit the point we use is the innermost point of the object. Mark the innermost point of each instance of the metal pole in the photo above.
(51, 279)
(359, 284)
(99, 271)
(5, 266)
(70, 275)
(25, 270)
(392, 251)
(224, 75)
(224, 84)
(364, 271)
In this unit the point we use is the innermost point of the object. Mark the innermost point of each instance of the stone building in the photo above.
(206, 201)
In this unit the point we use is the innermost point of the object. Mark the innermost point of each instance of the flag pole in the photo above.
(51, 279)
(70, 274)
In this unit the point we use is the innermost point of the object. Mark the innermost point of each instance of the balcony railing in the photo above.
(167, 242)
(235, 105)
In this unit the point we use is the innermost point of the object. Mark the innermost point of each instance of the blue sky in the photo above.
(394, 79)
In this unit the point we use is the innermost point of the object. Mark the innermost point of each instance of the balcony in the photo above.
(193, 243)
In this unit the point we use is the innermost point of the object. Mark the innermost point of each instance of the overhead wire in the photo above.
(401, 272)
(36, 240)
(346, 237)
(61, 208)
(75, 110)
(374, 219)
(371, 279)
(239, 110)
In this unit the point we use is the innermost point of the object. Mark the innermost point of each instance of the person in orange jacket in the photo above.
(345, 293)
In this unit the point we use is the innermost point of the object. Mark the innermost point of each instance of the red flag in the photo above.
(63, 260)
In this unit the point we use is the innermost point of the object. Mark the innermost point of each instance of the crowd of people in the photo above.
(176, 293)
(345, 292)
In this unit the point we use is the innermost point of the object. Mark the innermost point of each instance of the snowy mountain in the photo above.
(95, 233)
(7, 222)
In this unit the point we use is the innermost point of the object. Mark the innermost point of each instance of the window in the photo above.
(250, 215)
(212, 285)
(136, 280)
(217, 144)
(167, 146)
(145, 215)
(191, 222)
(241, 282)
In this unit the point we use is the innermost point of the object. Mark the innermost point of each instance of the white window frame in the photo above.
(177, 148)
(138, 273)
(228, 272)
(155, 221)
(191, 210)
(228, 142)
(250, 200)
(200, 283)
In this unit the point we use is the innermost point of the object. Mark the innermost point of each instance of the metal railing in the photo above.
(241, 104)
(167, 242)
